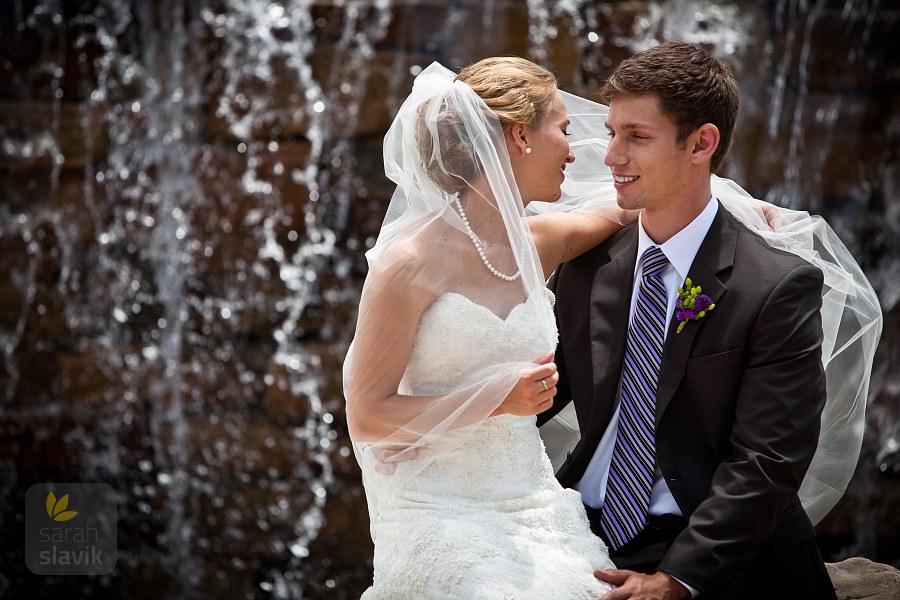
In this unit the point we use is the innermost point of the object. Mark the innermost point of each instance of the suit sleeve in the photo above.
(776, 425)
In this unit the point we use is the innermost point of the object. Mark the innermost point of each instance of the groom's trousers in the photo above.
(804, 577)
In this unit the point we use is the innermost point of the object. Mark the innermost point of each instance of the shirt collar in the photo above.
(682, 247)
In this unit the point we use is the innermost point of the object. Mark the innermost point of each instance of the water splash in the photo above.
(187, 265)
(159, 281)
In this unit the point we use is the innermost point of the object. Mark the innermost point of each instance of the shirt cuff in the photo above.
(686, 586)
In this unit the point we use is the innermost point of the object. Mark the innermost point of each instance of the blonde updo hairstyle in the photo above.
(515, 89)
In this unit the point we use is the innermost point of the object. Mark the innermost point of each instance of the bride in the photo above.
(452, 355)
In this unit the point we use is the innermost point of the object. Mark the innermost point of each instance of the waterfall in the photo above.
(189, 189)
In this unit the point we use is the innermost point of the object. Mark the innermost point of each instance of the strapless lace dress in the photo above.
(487, 520)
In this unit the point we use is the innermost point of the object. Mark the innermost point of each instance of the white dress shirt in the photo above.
(680, 249)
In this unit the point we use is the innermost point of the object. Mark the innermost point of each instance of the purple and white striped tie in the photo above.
(624, 512)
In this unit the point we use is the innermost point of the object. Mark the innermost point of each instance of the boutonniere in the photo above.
(692, 304)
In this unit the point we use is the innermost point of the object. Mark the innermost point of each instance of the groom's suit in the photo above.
(738, 402)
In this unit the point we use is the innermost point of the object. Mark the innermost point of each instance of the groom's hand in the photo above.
(659, 586)
(534, 392)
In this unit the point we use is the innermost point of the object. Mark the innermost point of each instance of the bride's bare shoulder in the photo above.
(417, 265)
(421, 247)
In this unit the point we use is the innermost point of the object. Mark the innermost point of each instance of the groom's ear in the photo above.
(703, 143)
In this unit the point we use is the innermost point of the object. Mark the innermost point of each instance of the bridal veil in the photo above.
(446, 143)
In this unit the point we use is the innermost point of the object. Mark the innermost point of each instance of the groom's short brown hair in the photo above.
(693, 86)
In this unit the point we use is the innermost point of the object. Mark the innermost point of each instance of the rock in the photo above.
(861, 579)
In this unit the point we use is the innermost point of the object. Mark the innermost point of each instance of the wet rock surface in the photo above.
(188, 192)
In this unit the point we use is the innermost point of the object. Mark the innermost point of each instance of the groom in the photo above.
(698, 402)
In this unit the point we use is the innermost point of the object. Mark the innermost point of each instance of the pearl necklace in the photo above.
(480, 249)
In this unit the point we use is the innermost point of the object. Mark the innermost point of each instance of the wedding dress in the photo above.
(487, 520)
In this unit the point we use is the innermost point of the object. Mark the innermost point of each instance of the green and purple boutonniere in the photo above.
(691, 304)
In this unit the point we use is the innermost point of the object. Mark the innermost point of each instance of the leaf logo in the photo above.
(56, 509)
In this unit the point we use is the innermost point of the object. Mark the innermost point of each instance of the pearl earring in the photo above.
(527, 150)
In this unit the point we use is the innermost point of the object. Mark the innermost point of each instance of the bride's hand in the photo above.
(534, 392)
(771, 212)
(386, 456)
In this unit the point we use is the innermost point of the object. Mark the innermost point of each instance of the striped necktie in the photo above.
(631, 471)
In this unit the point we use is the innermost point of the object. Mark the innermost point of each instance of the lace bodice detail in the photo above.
(456, 337)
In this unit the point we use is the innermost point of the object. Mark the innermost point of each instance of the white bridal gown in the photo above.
(487, 520)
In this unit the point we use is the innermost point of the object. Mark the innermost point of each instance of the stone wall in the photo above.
(188, 192)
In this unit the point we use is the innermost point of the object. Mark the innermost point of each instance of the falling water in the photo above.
(156, 303)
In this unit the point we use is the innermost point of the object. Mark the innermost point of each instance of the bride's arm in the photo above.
(393, 301)
(561, 236)
(391, 306)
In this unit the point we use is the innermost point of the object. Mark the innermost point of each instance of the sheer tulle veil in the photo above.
(445, 140)
(447, 154)
(851, 314)
(851, 323)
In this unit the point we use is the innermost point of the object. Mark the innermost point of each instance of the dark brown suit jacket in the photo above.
(739, 397)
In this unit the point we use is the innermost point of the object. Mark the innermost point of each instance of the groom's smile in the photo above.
(622, 180)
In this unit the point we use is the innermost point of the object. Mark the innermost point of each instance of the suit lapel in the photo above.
(714, 258)
(610, 303)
